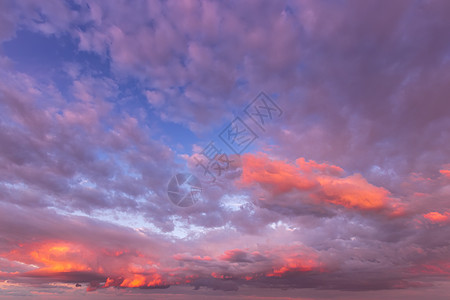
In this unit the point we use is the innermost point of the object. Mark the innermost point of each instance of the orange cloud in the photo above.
(436, 217)
(294, 264)
(352, 191)
(118, 267)
(59, 258)
(222, 276)
(276, 262)
(323, 181)
(296, 259)
(141, 280)
(51, 257)
(277, 176)
(446, 173)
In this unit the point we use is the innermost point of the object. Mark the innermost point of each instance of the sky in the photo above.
(224, 149)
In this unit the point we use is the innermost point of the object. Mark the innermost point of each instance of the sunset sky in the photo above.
(337, 186)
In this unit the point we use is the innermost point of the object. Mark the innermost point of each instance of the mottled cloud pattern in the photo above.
(102, 102)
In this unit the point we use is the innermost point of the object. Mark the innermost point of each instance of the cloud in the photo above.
(279, 177)
(436, 217)
(445, 172)
(347, 190)
(154, 98)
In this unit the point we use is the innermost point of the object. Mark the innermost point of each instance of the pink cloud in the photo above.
(370, 96)
(323, 182)
(436, 217)
(445, 173)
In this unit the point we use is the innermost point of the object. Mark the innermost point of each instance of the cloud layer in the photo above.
(101, 103)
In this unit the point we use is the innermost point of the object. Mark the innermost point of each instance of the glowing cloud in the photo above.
(436, 217)
(324, 182)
